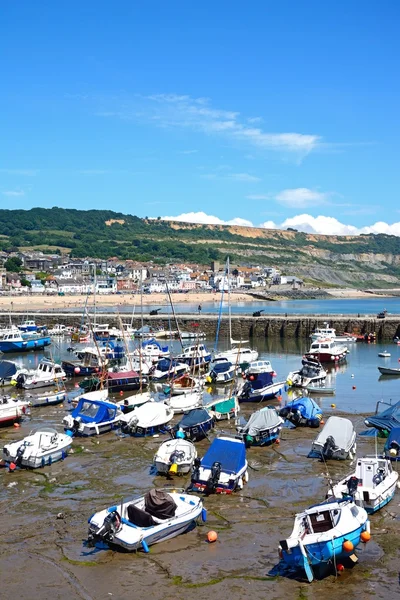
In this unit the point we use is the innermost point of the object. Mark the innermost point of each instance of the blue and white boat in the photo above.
(372, 485)
(197, 355)
(150, 418)
(262, 429)
(42, 447)
(392, 445)
(155, 517)
(15, 341)
(92, 417)
(387, 419)
(194, 425)
(222, 372)
(303, 412)
(259, 387)
(324, 535)
(223, 469)
(167, 369)
(29, 326)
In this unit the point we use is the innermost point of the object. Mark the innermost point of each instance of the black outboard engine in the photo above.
(196, 470)
(20, 381)
(352, 484)
(212, 482)
(19, 455)
(329, 447)
(246, 390)
(111, 526)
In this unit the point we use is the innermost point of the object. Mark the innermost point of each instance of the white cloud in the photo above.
(304, 222)
(301, 197)
(13, 193)
(23, 172)
(183, 111)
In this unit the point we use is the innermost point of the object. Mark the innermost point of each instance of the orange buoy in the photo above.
(277, 441)
(365, 536)
(279, 398)
(212, 536)
(17, 425)
(121, 393)
(348, 546)
(339, 568)
(322, 422)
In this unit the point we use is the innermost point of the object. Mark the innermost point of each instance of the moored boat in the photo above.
(46, 374)
(389, 371)
(259, 387)
(337, 440)
(194, 425)
(15, 341)
(175, 457)
(326, 351)
(12, 409)
(262, 429)
(147, 419)
(92, 417)
(42, 447)
(303, 412)
(311, 372)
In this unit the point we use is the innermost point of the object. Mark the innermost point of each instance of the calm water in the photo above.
(331, 306)
(360, 372)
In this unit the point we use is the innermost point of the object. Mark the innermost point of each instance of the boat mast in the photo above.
(229, 301)
(173, 312)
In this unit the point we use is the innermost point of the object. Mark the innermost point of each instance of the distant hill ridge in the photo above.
(360, 261)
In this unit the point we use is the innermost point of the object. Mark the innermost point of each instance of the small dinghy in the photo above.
(384, 354)
(385, 420)
(92, 417)
(50, 399)
(260, 386)
(389, 371)
(167, 369)
(185, 402)
(223, 469)
(224, 409)
(320, 390)
(129, 403)
(371, 486)
(43, 447)
(324, 535)
(262, 429)
(148, 419)
(194, 425)
(12, 410)
(158, 516)
(303, 412)
(175, 457)
(392, 445)
(183, 385)
(337, 440)
(222, 372)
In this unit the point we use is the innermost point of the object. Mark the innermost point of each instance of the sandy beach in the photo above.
(36, 302)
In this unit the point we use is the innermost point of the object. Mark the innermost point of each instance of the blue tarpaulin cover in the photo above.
(308, 408)
(7, 369)
(222, 367)
(94, 411)
(394, 436)
(386, 419)
(194, 417)
(230, 453)
(263, 379)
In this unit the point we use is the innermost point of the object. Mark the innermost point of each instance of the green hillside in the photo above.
(367, 260)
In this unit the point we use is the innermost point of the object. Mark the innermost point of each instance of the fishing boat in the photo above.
(222, 371)
(224, 409)
(7, 372)
(311, 372)
(330, 333)
(259, 387)
(385, 420)
(223, 469)
(15, 341)
(155, 517)
(389, 371)
(302, 412)
(42, 447)
(29, 326)
(392, 445)
(175, 457)
(326, 351)
(92, 362)
(185, 402)
(92, 417)
(262, 429)
(166, 369)
(46, 374)
(197, 355)
(324, 535)
(337, 440)
(194, 425)
(116, 381)
(12, 409)
(104, 332)
(147, 419)
(372, 485)
(258, 366)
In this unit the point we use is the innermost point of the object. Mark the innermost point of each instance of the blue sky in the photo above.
(275, 113)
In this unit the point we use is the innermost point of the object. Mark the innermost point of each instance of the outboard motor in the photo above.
(246, 390)
(20, 381)
(352, 484)
(212, 482)
(284, 412)
(19, 455)
(111, 525)
(329, 447)
(196, 470)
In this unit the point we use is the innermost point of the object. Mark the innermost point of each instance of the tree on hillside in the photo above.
(13, 264)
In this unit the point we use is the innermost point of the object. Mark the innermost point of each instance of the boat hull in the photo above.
(25, 345)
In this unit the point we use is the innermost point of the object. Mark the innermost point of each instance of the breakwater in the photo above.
(243, 326)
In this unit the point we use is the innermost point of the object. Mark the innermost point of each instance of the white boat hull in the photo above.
(37, 450)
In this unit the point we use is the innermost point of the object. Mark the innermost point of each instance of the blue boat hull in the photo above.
(198, 432)
(263, 438)
(25, 345)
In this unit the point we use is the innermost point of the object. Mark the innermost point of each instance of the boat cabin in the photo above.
(47, 367)
(371, 471)
(13, 336)
(260, 366)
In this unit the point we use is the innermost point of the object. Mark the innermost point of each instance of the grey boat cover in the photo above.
(266, 418)
(340, 429)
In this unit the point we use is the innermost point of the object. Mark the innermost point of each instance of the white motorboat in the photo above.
(158, 516)
(259, 366)
(184, 402)
(336, 440)
(49, 399)
(43, 447)
(372, 485)
(175, 457)
(197, 355)
(47, 373)
(148, 419)
(12, 410)
(92, 417)
(237, 355)
(167, 369)
(310, 373)
(384, 354)
(222, 371)
(151, 351)
(326, 350)
(58, 330)
(327, 332)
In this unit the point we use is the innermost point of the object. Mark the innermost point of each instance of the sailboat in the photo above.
(241, 354)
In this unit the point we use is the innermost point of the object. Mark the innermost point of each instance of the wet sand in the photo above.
(42, 556)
